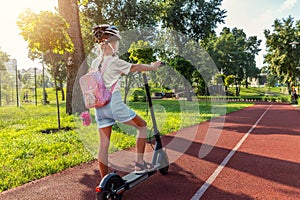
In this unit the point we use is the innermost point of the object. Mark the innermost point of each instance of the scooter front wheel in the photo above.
(108, 191)
(164, 163)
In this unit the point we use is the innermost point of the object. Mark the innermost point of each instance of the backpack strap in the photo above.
(113, 86)
(104, 66)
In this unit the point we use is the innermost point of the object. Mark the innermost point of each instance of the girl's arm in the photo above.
(145, 67)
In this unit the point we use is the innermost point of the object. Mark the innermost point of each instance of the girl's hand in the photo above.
(157, 64)
(146, 67)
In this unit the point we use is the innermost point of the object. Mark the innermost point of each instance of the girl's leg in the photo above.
(103, 150)
(141, 138)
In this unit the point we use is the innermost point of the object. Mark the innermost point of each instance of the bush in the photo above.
(138, 95)
(284, 99)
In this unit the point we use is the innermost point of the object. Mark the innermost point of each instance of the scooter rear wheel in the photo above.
(108, 192)
(164, 170)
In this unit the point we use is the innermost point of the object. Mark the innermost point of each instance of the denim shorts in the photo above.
(114, 111)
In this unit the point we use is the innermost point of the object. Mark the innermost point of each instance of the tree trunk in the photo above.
(128, 81)
(187, 89)
(74, 101)
(289, 87)
(57, 101)
(54, 67)
(246, 82)
(61, 86)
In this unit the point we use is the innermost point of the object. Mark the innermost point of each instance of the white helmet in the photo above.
(106, 33)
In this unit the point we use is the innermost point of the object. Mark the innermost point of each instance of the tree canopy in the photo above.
(282, 56)
(196, 19)
(4, 57)
(44, 32)
(234, 53)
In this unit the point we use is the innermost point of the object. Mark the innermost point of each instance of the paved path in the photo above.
(256, 157)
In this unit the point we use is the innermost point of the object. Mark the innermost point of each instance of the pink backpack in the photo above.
(94, 91)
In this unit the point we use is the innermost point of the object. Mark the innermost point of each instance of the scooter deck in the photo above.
(133, 179)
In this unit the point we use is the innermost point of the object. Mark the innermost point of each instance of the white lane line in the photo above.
(211, 179)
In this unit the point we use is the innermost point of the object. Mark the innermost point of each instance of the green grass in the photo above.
(27, 153)
(270, 94)
(260, 91)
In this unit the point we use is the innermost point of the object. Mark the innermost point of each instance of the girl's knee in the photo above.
(142, 131)
(139, 122)
(143, 124)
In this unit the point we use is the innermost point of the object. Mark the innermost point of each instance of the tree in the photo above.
(224, 51)
(270, 79)
(229, 80)
(4, 57)
(76, 65)
(281, 57)
(126, 15)
(234, 54)
(196, 19)
(46, 33)
(248, 48)
(186, 69)
(193, 20)
(59, 71)
(140, 52)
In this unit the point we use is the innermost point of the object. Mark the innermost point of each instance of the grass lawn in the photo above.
(266, 93)
(29, 151)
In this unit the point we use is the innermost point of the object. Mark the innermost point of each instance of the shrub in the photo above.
(138, 95)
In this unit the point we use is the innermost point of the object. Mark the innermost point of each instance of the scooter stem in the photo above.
(156, 131)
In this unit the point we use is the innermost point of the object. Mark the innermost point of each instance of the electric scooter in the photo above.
(112, 186)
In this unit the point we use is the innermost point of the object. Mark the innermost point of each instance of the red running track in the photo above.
(259, 148)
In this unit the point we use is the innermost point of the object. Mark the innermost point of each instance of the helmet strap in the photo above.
(114, 51)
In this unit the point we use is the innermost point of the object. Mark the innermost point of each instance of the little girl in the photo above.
(108, 37)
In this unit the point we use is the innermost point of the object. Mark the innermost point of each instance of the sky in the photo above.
(10, 41)
(253, 16)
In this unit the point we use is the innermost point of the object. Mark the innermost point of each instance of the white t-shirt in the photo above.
(112, 68)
